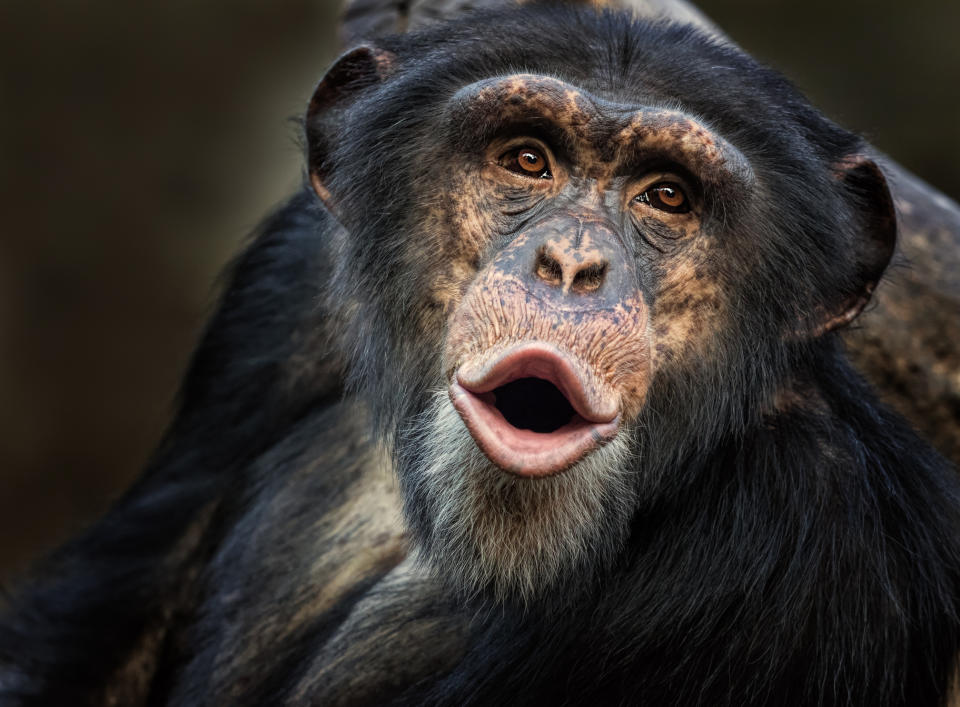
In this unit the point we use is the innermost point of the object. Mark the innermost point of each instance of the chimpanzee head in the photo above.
(577, 251)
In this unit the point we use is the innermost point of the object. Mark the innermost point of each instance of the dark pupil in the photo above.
(530, 158)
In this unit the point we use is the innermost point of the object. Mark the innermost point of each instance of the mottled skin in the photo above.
(604, 144)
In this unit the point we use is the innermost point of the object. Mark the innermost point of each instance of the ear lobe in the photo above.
(359, 68)
(876, 238)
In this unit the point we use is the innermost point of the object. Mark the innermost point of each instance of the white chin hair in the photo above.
(517, 537)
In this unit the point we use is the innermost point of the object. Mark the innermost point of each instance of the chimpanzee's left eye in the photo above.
(666, 196)
(527, 161)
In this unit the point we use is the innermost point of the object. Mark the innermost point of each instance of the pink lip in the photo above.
(522, 451)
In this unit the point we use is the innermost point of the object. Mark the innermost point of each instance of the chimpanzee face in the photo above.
(607, 271)
(605, 280)
(581, 260)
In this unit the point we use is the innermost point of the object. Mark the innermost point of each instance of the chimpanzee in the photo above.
(573, 281)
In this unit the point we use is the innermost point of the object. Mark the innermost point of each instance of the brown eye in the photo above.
(526, 161)
(666, 196)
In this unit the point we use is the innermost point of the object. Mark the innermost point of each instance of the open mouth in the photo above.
(534, 410)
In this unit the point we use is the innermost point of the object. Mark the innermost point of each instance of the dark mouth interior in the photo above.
(533, 404)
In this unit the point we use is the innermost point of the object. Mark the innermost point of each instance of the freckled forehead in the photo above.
(527, 95)
(606, 128)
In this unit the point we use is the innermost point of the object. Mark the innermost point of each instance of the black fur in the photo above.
(808, 555)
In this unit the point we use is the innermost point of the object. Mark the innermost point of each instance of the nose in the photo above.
(571, 262)
(575, 264)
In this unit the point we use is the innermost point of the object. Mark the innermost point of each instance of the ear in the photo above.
(876, 237)
(338, 90)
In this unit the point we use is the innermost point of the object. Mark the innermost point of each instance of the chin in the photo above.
(488, 533)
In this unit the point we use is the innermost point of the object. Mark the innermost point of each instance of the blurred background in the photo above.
(141, 142)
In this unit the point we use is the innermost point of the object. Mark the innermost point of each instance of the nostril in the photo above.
(589, 278)
(581, 272)
(548, 269)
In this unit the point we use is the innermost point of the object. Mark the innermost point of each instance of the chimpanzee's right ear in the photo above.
(356, 70)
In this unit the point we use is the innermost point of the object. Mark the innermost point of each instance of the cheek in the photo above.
(468, 215)
(688, 310)
(456, 232)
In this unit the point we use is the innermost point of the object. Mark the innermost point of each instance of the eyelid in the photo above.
(651, 179)
(530, 141)
(525, 141)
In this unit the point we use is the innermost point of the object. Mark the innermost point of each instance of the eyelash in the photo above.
(658, 196)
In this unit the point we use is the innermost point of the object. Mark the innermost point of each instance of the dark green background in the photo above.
(140, 142)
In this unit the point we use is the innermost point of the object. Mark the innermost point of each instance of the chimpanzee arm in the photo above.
(102, 604)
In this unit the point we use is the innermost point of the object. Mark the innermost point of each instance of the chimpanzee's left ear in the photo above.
(875, 240)
(358, 69)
